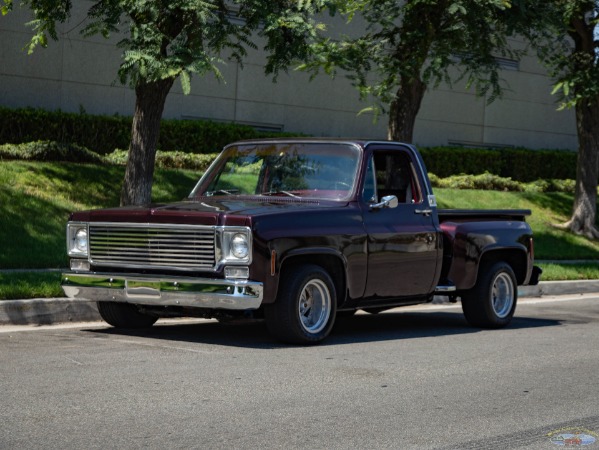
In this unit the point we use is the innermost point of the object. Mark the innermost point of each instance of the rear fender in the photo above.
(473, 244)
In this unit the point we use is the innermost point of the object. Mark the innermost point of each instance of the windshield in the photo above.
(315, 170)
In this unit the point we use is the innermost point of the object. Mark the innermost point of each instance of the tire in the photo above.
(305, 308)
(124, 315)
(492, 301)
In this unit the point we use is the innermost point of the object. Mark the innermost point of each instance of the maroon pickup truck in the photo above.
(299, 231)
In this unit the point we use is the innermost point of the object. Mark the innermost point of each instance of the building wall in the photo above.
(76, 73)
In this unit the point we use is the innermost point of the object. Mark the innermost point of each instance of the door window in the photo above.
(391, 173)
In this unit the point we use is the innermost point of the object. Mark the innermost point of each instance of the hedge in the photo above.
(169, 160)
(54, 151)
(104, 134)
(49, 151)
(516, 163)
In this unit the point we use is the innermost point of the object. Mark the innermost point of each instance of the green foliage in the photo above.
(169, 160)
(49, 151)
(104, 134)
(169, 39)
(101, 134)
(21, 285)
(485, 181)
(490, 182)
(575, 67)
(519, 164)
(46, 151)
(447, 161)
(421, 40)
(166, 39)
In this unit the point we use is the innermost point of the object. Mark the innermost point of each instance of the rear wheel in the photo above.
(492, 301)
(124, 315)
(304, 311)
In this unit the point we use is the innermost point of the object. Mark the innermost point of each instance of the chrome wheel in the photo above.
(491, 303)
(314, 306)
(305, 308)
(503, 295)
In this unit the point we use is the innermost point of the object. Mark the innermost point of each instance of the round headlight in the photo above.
(81, 240)
(239, 246)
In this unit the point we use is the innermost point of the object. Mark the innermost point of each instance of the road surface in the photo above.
(417, 377)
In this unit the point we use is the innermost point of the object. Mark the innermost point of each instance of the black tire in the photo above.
(492, 301)
(305, 308)
(124, 315)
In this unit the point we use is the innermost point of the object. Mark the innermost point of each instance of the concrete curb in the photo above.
(559, 288)
(46, 311)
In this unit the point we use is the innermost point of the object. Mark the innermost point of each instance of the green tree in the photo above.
(170, 39)
(575, 65)
(409, 45)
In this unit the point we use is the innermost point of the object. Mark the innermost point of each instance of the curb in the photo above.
(47, 311)
(559, 288)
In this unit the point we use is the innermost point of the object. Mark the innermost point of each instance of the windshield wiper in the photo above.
(287, 193)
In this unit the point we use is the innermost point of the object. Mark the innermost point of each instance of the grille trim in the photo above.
(153, 246)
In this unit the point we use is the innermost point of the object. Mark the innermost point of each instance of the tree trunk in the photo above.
(404, 109)
(149, 104)
(587, 171)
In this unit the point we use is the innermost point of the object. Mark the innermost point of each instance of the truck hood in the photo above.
(205, 211)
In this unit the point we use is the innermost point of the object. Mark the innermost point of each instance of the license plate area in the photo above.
(142, 289)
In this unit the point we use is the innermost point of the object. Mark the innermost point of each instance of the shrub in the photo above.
(169, 160)
(490, 182)
(448, 161)
(103, 134)
(49, 151)
(518, 164)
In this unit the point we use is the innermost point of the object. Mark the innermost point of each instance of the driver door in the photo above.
(403, 242)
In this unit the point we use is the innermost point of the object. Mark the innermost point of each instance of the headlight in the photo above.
(77, 240)
(81, 240)
(236, 245)
(239, 246)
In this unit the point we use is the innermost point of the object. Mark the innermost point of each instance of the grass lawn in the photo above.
(36, 199)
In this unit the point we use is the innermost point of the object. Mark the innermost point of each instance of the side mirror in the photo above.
(388, 201)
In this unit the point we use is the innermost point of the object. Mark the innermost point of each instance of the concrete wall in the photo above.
(76, 73)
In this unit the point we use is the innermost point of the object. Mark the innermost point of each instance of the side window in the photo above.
(395, 175)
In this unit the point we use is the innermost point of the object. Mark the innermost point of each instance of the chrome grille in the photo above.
(174, 247)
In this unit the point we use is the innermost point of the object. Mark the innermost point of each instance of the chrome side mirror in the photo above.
(388, 201)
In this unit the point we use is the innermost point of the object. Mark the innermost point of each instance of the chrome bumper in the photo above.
(158, 291)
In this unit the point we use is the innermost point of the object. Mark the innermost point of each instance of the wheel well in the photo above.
(332, 264)
(514, 257)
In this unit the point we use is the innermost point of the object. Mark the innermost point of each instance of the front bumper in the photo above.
(225, 294)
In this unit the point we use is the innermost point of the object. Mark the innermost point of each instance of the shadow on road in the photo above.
(349, 330)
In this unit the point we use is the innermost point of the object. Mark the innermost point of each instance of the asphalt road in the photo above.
(411, 378)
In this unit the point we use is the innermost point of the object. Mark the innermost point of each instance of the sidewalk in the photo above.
(47, 311)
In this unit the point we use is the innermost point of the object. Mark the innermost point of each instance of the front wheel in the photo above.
(124, 315)
(305, 308)
(492, 301)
